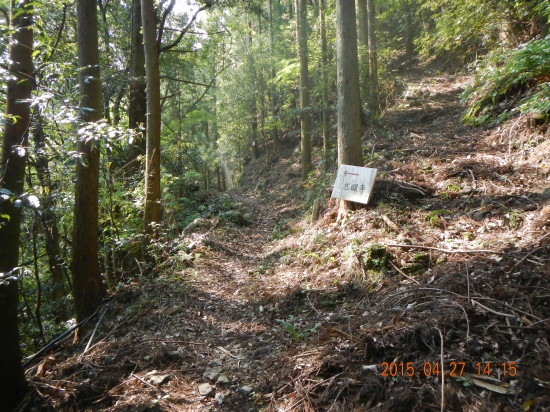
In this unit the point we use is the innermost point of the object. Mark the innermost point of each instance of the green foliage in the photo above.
(289, 327)
(511, 83)
(434, 214)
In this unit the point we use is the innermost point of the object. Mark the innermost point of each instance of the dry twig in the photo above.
(404, 274)
(442, 373)
(491, 310)
(445, 250)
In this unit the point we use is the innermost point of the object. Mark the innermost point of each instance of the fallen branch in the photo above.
(63, 335)
(491, 310)
(390, 223)
(445, 250)
(145, 382)
(93, 333)
(403, 273)
(521, 327)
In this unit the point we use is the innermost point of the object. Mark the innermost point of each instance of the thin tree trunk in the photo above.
(253, 105)
(13, 160)
(542, 22)
(349, 132)
(301, 34)
(323, 35)
(152, 167)
(374, 99)
(116, 105)
(138, 97)
(272, 92)
(409, 31)
(48, 218)
(363, 45)
(88, 287)
(38, 314)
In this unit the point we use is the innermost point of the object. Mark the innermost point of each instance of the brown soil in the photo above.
(296, 320)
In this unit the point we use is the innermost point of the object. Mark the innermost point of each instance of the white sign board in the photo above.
(354, 183)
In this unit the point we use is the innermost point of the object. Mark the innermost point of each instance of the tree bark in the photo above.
(152, 166)
(324, 64)
(374, 99)
(301, 34)
(138, 97)
(88, 287)
(409, 31)
(13, 161)
(349, 132)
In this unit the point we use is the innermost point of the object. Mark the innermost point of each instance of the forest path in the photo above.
(279, 314)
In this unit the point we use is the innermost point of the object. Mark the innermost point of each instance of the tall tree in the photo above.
(363, 47)
(373, 56)
(253, 105)
(324, 64)
(138, 98)
(151, 215)
(12, 173)
(347, 72)
(301, 34)
(272, 93)
(88, 288)
(48, 215)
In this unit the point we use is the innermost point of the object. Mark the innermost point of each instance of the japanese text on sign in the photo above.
(354, 183)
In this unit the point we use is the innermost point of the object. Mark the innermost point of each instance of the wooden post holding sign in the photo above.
(354, 183)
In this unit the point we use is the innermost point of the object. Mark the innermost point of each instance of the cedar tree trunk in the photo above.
(88, 287)
(12, 174)
(349, 132)
(301, 34)
(138, 97)
(152, 166)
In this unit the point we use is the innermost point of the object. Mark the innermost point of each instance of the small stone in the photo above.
(213, 373)
(466, 190)
(174, 355)
(223, 379)
(545, 195)
(247, 390)
(215, 362)
(480, 215)
(159, 379)
(205, 389)
(219, 398)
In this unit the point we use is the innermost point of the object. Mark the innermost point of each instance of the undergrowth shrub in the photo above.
(511, 83)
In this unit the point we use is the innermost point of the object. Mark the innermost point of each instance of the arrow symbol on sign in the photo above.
(349, 173)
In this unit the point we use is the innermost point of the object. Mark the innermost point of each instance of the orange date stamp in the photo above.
(453, 369)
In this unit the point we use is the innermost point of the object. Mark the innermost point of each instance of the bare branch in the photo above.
(61, 28)
(186, 28)
(185, 81)
(206, 89)
(163, 22)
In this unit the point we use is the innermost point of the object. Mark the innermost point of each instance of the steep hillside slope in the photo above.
(435, 294)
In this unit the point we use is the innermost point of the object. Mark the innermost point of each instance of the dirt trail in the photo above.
(283, 315)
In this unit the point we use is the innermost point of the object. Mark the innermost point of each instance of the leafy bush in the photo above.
(510, 83)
